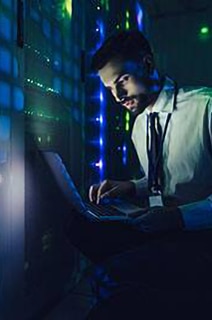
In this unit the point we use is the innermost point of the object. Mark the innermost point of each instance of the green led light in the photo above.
(127, 126)
(48, 138)
(40, 85)
(127, 25)
(117, 26)
(127, 116)
(39, 139)
(204, 30)
(68, 7)
(127, 14)
(107, 6)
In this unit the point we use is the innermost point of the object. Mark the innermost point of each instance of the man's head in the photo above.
(126, 67)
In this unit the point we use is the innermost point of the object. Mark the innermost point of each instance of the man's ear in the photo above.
(148, 62)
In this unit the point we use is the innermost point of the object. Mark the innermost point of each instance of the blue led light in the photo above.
(67, 90)
(15, 67)
(139, 13)
(101, 97)
(57, 61)
(57, 85)
(99, 164)
(76, 94)
(98, 99)
(101, 119)
(124, 151)
(67, 68)
(57, 37)
(101, 141)
(18, 98)
(5, 125)
(46, 28)
(101, 29)
(5, 28)
(76, 115)
(5, 60)
(5, 98)
(34, 15)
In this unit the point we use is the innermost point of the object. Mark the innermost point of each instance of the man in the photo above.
(172, 134)
(164, 255)
(126, 67)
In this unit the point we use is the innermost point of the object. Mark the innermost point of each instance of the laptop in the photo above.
(111, 210)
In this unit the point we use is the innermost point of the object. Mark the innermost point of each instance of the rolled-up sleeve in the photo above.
(141, 186)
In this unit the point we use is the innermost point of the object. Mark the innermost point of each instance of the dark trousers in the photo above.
(167, 275)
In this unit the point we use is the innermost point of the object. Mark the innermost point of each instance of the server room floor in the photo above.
(76, 305)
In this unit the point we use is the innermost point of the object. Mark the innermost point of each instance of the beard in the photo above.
(140, 103)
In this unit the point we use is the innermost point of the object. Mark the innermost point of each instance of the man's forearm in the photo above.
(141, 187)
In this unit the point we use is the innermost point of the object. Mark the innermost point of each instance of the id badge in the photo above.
(155, 200)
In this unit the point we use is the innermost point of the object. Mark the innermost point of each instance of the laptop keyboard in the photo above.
(104, 210)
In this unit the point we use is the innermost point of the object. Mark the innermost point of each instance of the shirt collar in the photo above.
(165, 100)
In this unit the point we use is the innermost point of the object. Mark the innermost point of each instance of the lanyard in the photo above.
(154, 183)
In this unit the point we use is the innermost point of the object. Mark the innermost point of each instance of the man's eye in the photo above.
(125, 78)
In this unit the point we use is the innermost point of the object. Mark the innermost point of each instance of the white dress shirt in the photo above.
(187, 151)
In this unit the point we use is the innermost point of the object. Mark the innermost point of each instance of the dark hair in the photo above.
(126, 44)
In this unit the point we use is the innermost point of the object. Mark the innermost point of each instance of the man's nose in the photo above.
(120, 94)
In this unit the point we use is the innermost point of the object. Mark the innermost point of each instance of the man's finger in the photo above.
(93, 193)
(102, 190)
(114, 192)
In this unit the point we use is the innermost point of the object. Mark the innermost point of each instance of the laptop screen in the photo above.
(64, 180)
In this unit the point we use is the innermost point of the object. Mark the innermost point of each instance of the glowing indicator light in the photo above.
(117, 26)
(101, 97)
(101, 119)
(98, 8)
(101, 142)
(107, 5)
(69, 7)
(124, 150)
(127, 116)
(99, 164)
(204, 30)
(48, 138)
(127, 126)
(127, 25)
(139, 13)
(127, 14)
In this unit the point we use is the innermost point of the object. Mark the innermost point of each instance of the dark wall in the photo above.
(180, 49)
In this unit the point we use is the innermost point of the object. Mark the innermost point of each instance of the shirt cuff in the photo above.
(197, 215)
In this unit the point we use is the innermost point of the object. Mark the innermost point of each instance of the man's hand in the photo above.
(159, 219)
(111, 188)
